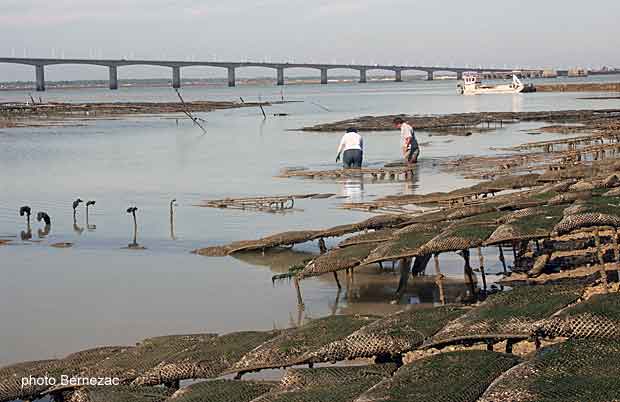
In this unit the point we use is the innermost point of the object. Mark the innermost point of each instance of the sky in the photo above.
(518, 33)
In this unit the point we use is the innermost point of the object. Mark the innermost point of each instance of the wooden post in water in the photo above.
(601, 260)
(172, 204)
(502, 258)
(469, 273)
(484, 277)
(439, 280)
(337, 280)
(300, 301)
(322, 246)
(405, 266)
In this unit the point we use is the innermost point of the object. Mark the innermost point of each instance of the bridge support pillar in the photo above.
(280, 75)
(324, 76)
(40, 76)
(176, 77)
(429, 76)
(231, 77)
(398, 76)
(459, 75)
(113, 77)
(363, 78)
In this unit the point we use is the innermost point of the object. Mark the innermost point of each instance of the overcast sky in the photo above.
(477, 32)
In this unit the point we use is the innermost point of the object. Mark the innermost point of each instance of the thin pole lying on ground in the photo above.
(188, 113)
(321, 106)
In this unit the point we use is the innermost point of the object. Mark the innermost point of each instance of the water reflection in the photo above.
(517, 103)
(372, 291)
(88, 225)
(353, 189)
(278, 260)
(367, 290)
(412, 178)
(76, 228)
(43, 216)
(26, 234)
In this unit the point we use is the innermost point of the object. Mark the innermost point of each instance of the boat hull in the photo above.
(499, 89)
(473, 86)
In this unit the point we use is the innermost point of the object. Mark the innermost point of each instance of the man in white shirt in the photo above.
(352, 144)
(409, 144)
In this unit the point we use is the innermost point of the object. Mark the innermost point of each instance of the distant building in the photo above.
(549, 73)
(577, 72)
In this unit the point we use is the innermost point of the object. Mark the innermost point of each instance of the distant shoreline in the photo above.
(199, 83)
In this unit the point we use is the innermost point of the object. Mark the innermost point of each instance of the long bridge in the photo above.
(40, 63)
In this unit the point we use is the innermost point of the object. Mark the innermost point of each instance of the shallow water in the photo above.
(55, 301)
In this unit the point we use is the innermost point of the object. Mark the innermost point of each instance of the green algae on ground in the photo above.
(535, 224)
(599, 211)
(204, 359)
(446, 377)
(389, 336)
(11, 387)
(222, 391)
(337, 259)
(375, 237)
(405, 243)
(121, 393)
(509, 314)
(328, 384)
(597, 317)
(292, 346)
(573, 371)
(460, 236)
(296, 378)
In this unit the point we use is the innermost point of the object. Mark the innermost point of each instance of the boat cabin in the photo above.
(471, 79)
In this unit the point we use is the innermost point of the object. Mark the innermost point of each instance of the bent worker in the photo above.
(352, 144)
(409, 144)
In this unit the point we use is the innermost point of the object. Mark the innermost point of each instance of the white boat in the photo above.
(472, 85)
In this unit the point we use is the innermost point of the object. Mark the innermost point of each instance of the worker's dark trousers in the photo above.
(352, 158)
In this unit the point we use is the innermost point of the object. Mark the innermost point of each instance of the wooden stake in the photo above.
(337, 281)
(322, 246)
(484, 277)
(601, 260)
(300, 301)
(188, 113)
(405, 264)
(172, 236)
(336, 302)
(616, 250)
(439, 280)
(502, 258)
(469, 273)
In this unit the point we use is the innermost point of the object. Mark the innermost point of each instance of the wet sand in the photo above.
(456, 124)
(56, 113)
(579, 87)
